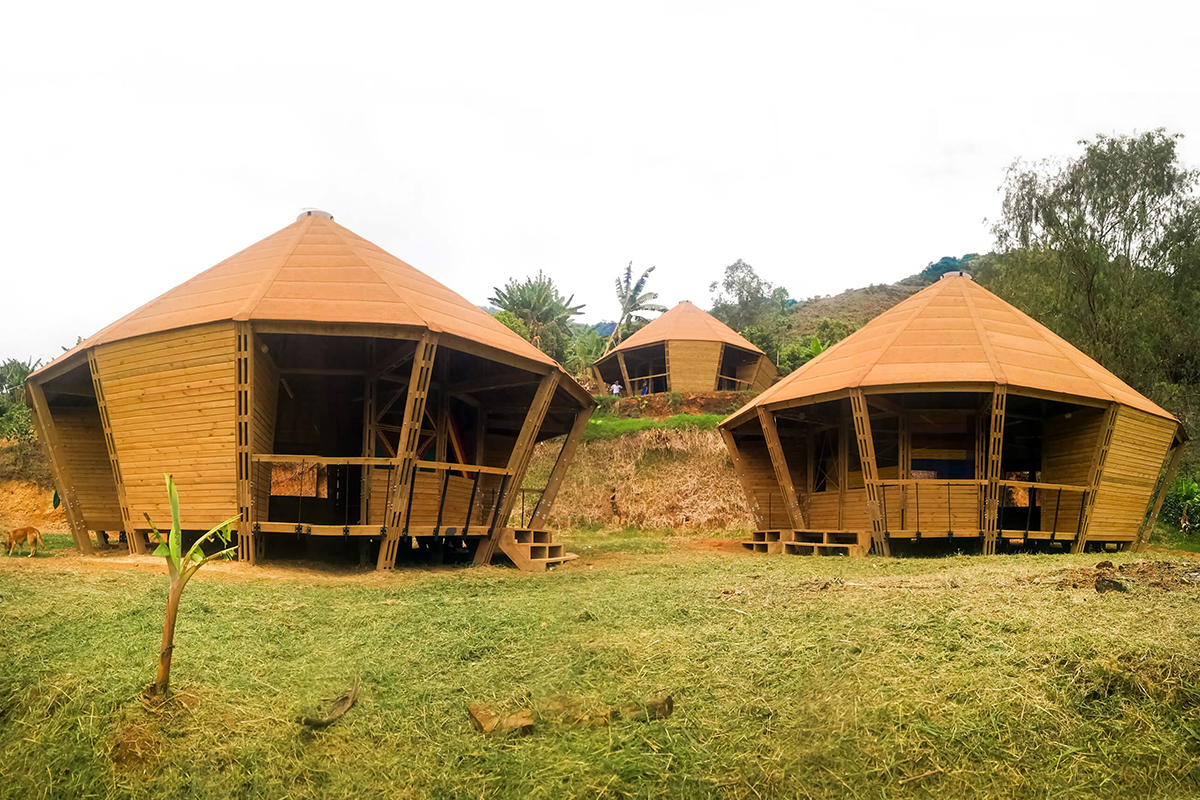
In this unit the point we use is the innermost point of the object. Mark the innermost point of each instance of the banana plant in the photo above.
(181, 567)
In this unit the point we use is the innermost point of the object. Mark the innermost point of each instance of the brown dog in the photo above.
(20, 536)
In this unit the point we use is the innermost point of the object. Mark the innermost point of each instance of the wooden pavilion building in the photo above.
(685, 350)
(339, 399)
(952, 417)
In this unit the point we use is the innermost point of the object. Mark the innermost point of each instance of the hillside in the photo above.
(855, 307)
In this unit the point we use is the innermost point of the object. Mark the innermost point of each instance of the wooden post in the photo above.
(370, 386)
(624, 374)
(395, 515)
(518, 462)
(720, 359)
(59, 469)
(981, 450)
(546, 503)
(904, 440)
(995, 452)
(1164, 488)
(244, 362)
(1099, 456)
(739, 469)
(133, 540)
(866, 455)
(782, 474)
(843, 467)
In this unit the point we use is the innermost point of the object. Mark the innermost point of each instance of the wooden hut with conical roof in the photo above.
(685, 349)
(951, 417)
(329, 392)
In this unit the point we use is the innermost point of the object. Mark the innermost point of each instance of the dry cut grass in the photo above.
(657, 478)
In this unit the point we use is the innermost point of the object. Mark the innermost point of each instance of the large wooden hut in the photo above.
(952, 417)
(339, 399)
(685, 350)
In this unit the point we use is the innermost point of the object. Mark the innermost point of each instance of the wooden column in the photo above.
(995, 451)
(546, 503)
(370, 386)
(1099, 456)
(406, 455)
(59, 469)
(904, 440)
(982, 424)
(717, 371)
(1164, 489)
(843, 467)
(739, 469)
(624, 374)
(133, 540)
(866, 455)
(782, 474)
(244, 363)
(518, 463)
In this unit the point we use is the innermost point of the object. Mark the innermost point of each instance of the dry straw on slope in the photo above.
(655, 478)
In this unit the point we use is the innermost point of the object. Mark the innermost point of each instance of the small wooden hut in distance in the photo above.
(951, 417)
(326, 390)
(685, 350)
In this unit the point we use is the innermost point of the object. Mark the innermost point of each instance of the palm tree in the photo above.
(586, 349)
(633, 300)
(537, 303)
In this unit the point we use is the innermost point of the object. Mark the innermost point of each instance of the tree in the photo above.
(587, 348)
(796, 355)
(742, 298)
(1104, 249)
(16, 420)
(513, 323)
(633, 299)
(180, 567)
(538, 303)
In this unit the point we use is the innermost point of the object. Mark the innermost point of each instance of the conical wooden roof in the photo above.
(953, 332)
(685, 322)
(315, 270)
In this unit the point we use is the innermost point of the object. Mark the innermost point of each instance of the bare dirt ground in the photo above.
(23, 503)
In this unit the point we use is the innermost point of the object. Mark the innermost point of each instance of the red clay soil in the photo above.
(658, 406)
(26, 504)
(1133, 575)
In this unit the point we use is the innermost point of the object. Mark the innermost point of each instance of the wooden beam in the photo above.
(1164, 489)
(995, 452)
(505, 380)
(319, 371)
(866, 455)
(546, 502)
(883, 404)
(782, 474)
(624, 372)
(396, 513)
(59, 469)
(1099, 456)
(717, 371)
(392, 361)
(518, 463)
(133, 540)
(743, 476)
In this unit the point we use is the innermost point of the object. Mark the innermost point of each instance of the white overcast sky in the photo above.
(831, 145)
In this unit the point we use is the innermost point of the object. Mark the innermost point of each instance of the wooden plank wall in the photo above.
(266, 403)
(693, 365)
(171, 401)
(81, 439)
(1136, 452)
(1068, 444)
(760, 474)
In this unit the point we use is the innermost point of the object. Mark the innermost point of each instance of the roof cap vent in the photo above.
(313, 212)
(956, 273)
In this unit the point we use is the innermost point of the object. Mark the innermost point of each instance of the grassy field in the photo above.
(792, 677)
(601, 428)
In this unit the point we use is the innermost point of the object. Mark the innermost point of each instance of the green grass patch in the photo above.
(1170, 537)
(629, 539)
(614, 427)
(792, 677)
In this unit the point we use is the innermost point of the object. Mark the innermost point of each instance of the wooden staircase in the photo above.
(809, 543)
(533, 551)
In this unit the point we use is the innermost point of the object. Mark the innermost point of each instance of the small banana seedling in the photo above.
(181, 566)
